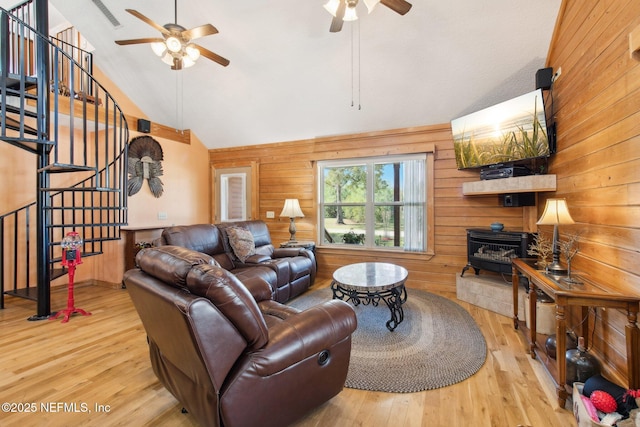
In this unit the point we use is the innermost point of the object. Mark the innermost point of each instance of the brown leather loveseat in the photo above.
(288, 271)
(232, 358)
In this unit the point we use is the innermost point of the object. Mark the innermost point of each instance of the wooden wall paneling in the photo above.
(287, 169)
(619, 100)
(578, 51)
(597, 101)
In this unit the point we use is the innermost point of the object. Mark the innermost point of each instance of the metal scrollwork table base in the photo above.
(368, 283)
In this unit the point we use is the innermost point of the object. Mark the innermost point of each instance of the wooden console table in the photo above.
(588, 294)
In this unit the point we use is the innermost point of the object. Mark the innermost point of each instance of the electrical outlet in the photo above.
(162, 215)
(557, 74)
(271, 214)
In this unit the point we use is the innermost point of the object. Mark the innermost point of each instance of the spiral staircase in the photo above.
(52, 107)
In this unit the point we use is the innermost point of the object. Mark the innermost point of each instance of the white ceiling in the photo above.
(291, 79)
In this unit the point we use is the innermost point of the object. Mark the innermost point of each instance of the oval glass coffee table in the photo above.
(368, 283)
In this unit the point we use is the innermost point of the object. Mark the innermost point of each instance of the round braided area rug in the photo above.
(437, 344)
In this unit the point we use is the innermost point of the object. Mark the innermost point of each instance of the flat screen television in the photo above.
(511, 133)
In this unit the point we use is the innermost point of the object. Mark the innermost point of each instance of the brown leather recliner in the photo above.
(232, 358)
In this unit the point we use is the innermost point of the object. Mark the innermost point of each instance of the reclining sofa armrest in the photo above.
(287, 252)
(304, 335)
(255, 259)
(293, 252)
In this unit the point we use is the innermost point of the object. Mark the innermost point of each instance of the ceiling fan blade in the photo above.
(338, 20)
(399, 6)
(138, 41)
(336, 25)
(201, 31)
(148, 21)
(213, 56)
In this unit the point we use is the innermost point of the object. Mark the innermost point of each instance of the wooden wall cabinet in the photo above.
(585, 295)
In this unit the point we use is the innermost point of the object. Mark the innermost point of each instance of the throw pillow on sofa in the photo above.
(241, 241)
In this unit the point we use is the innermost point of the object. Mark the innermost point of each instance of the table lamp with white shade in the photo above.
(292, 211)
(555, 213)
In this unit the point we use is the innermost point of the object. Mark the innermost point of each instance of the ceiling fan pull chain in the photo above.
(353, 61)
(359, 68)
(352, 71)
(179, 103)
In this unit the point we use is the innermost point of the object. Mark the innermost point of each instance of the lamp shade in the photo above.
(371, 4)
(556, 212)
(173, 44)
(192, 52)
(350, 13)
(332, 6)
(159, 48)
(292, 209)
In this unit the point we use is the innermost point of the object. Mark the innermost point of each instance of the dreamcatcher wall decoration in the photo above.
(145, 157)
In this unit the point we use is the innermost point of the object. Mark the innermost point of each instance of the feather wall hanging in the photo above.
(145, 157)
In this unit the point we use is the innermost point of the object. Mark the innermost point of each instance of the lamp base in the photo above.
(292, 230)
(572, 281)
(556, 269)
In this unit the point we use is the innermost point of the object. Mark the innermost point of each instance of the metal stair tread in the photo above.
(85, 208)
(58, 272)
(84, 255)
(17, 110)
(80, 189)
(27, 145)
(13, 81)
(16, 92)
(81, 225)
(27, 293)
(62, 167)
(13, 124)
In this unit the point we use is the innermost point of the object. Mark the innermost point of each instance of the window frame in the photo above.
(429, 219)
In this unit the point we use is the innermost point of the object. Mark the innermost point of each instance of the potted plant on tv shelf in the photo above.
(352, 238)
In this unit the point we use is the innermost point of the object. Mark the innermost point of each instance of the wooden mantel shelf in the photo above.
(518, 184)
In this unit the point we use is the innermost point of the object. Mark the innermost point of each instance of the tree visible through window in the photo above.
(374, 202)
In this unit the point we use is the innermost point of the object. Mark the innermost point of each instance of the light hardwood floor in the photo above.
(100, 364)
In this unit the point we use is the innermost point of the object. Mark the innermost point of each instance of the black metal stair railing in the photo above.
(80, 138)
(76, 210)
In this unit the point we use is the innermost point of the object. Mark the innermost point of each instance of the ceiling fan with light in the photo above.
(176, 47)
(345, 10)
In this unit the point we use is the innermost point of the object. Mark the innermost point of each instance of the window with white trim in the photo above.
(375, 203)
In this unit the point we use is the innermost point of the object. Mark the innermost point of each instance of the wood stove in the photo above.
(493, 250)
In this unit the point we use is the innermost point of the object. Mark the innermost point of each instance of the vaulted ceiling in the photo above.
(290, 78)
